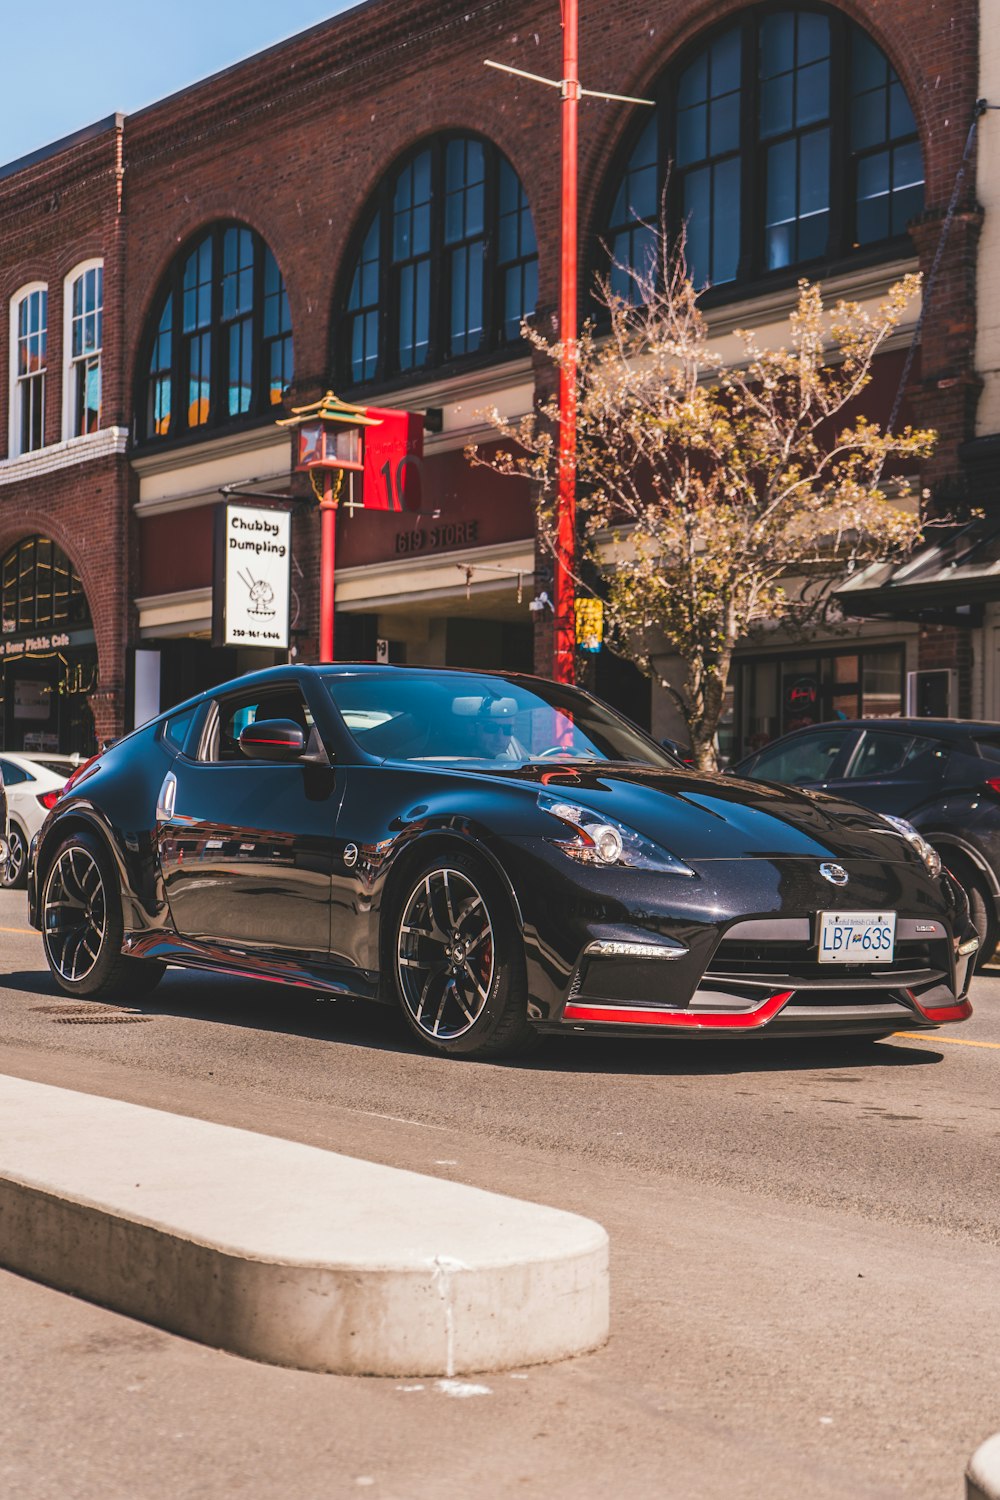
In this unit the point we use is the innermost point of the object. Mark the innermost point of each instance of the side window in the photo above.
(989, 749)
(883, 753)
(809, 757)
(175, 730)
(13, 775)
(222, 735)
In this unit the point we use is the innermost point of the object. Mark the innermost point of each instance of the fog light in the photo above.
(970, 945)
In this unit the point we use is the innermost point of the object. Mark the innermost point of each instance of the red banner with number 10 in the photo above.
(393, 454)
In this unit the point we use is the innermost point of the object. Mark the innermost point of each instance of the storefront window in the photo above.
(775, 695)
(48, 661)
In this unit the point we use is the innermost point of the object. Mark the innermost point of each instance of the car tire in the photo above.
(457, 961)
(82, 925)
(14, 872)
(983, 916)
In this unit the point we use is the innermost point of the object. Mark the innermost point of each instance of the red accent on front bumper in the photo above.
(961, 1011)
(659, 1015)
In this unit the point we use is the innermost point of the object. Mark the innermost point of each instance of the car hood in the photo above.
(698, 816)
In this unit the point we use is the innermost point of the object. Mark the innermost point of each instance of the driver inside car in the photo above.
(495, 738)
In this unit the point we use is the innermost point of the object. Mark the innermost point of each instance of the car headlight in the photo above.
(929, 855)
(595, 839)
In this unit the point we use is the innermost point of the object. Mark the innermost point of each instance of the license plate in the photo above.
(856, 937)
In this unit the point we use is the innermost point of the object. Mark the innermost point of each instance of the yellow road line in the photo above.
(946, 1041)
(27, 931)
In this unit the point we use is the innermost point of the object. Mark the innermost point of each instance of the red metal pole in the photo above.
(565, 591)
(328, 557)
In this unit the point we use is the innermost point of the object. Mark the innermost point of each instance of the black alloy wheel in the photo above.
(458, 962)
(14, 872)
(82, 925)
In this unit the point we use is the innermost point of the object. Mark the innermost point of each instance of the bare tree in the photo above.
(714, 497)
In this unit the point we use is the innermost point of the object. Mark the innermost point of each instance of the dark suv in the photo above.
(942, 775)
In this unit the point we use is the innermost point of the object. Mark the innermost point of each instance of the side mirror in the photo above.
(273, 739)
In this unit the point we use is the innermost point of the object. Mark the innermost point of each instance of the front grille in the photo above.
(914, 962)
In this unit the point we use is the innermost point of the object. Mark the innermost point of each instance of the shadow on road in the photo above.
(250, 1004)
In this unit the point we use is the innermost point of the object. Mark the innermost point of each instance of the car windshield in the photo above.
(445, 717)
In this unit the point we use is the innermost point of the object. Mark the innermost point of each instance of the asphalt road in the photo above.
(805, 1262)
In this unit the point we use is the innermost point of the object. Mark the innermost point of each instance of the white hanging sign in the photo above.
(254, 576)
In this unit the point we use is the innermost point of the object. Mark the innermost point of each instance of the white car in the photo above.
(33, 782)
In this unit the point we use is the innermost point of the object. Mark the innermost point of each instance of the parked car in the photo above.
(33, 782)
(941, 775)
(497, 856)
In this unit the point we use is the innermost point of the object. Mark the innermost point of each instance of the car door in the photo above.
(245, 845)
(893, 771)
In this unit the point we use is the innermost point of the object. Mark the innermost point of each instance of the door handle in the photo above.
(167, 799)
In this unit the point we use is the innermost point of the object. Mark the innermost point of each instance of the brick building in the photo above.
(368, 208)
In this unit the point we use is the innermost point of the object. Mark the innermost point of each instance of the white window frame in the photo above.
(69, 372)
(14, 448)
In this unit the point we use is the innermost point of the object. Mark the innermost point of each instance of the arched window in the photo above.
(447, 264)
(83, 333)
(40, 589)
(29, 326)
(219, 346)
(789, 140)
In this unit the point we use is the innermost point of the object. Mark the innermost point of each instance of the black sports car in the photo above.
(497, 855)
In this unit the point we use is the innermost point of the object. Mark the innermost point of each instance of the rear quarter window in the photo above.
(989, 748)
(884, 752)
(175, 730)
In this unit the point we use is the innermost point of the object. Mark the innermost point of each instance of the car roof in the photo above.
(338, 669)
(944, 728)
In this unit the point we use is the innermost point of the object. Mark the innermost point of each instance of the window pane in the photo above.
(812, 94)
(697, 218)
(869, 66)
(776, 105)
(726, 222)
(199, 379)
(459, 291)
(692, 134)
(781, 175)
(873, 198)
(423, 312)
(693, 85)
(813, 41)
(777, 44)
(814, 172)
(29, 395)
(240, 368)
(901, 121)
(882, 683)
(726, 58)
(725, 124)
(868, 119)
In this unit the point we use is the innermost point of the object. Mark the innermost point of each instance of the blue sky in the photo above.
(124, 54)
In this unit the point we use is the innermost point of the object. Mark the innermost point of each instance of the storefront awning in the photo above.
(947, 579)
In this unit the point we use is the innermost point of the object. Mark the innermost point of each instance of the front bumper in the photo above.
(734, 952)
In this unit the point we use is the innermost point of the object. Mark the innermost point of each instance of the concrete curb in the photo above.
(982, 1477)
(285, 1253)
